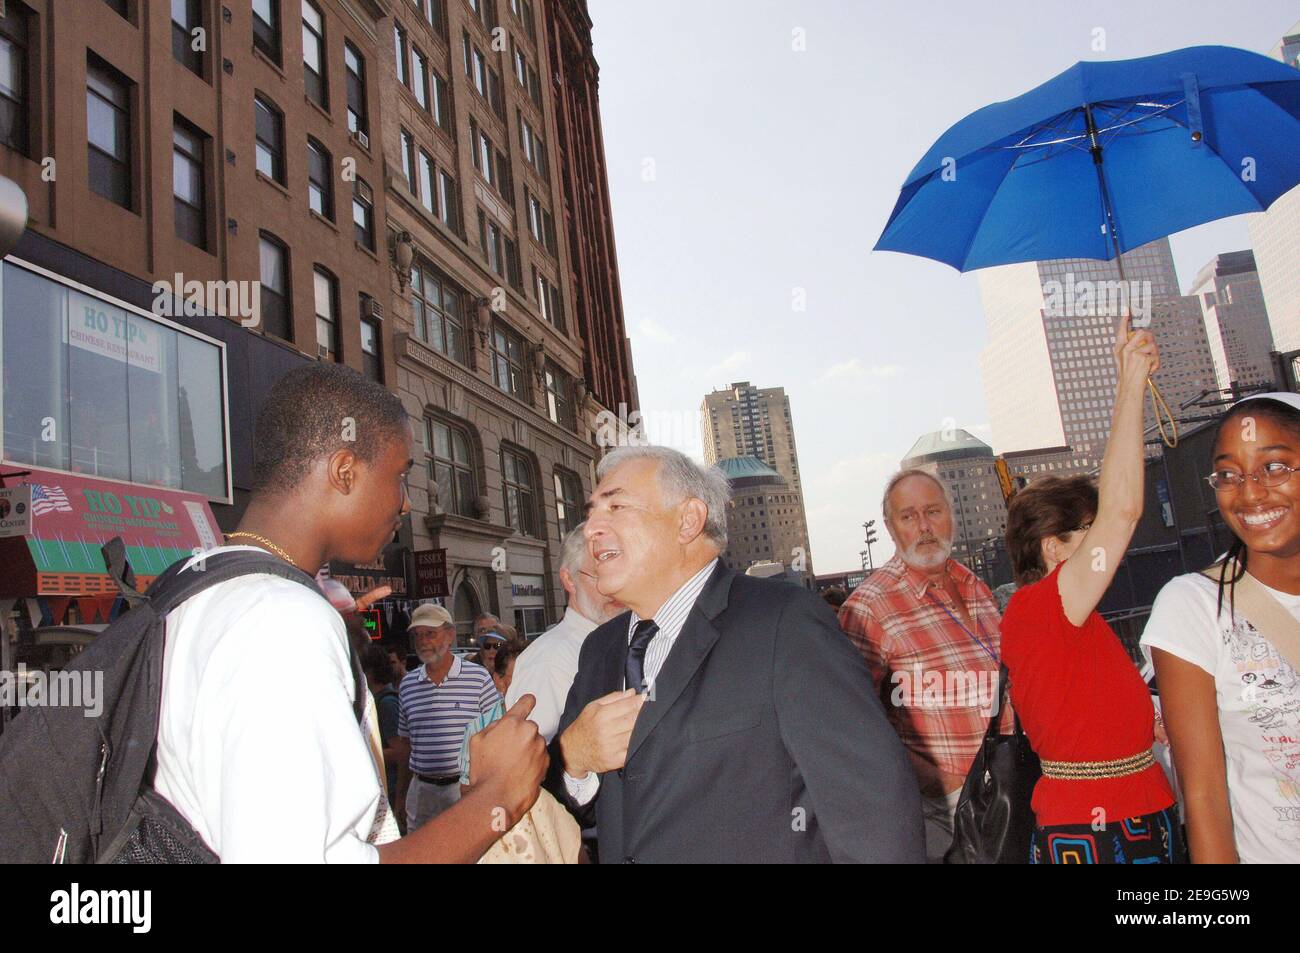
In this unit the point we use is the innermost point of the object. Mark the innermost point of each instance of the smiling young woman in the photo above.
(1231, 699)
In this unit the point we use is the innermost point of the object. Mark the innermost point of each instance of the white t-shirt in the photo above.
(547, 668)
(1259, 710)
(266, 769)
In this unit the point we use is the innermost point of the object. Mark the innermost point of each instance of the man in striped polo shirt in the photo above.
(437, 701)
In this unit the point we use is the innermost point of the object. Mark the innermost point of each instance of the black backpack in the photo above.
(76, 789)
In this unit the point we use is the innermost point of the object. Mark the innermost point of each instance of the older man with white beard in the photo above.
(547, 667)
(929, 630)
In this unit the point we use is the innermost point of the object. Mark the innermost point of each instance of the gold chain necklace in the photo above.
(265, 542)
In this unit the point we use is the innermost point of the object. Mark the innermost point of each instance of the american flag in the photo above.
(49, 499)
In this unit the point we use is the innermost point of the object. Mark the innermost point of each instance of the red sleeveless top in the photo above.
(1080, 698)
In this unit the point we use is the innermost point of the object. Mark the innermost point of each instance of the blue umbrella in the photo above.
(1104, 158)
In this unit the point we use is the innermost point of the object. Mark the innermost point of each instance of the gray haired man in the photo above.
(758, 738)
(546, 668)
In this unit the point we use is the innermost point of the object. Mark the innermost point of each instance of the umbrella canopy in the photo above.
(1185, 137)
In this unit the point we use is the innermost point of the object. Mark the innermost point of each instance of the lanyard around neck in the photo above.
(980, 642)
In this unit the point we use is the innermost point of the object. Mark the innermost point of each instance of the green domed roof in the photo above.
(750, 470)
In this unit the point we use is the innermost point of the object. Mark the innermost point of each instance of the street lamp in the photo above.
(871, 538)
(13, 214)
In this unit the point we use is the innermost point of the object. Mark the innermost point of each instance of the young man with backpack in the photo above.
(333, 450)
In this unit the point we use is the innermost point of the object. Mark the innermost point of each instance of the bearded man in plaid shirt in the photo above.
(929, 631)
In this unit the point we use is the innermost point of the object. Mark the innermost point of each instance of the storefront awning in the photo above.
(72, 516)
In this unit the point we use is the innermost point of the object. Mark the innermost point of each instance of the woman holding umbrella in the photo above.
(1085, 709)
(1226, 647)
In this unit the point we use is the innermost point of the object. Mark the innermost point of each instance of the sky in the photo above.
(755, 149)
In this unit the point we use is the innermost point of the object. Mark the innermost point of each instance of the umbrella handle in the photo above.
(1161, 410)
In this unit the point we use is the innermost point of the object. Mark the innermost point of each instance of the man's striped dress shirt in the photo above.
(434, 717)
(670, 617)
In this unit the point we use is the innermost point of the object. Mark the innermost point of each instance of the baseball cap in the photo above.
(432, 615)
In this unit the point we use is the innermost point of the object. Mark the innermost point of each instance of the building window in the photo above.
(534, 148)
(451, 468)
(372, 360)
(14, 68)
(358, 114)
(320, 180)
(489, 238)
(108, 122)
(119, 7)
(313, 54)
(274, 275)
(82, 381)
(363, 214)
(438, 312)
(508, 361)
(188, 183)
(538, 220)
(517, 489)
(420, 78)
(408, 161)
(187, 17)
(549, 300)
(266, 28)
(327, 312)
(447, 200)
(559, 403)
(427, 196)
(403, 64)
(568, 501)
(441, 105)
(270, 140)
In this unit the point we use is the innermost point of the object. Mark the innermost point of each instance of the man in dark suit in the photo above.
(724, 718)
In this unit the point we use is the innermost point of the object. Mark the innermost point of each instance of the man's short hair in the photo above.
(902, 475)
(681, 478)
(375, 663)
(315, 410)
(573, 550)
(485, 615)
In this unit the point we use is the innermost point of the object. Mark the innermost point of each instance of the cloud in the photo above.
(731, 362)
(854, 370)
(656, 332)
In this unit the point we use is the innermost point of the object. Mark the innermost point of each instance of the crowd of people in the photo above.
(683, 711)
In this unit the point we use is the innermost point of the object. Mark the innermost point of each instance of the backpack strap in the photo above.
(1269, 617)
(175, 586)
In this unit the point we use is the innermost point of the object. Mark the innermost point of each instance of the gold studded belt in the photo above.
(1098, 770)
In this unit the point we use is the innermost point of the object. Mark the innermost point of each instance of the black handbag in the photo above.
(994, 822)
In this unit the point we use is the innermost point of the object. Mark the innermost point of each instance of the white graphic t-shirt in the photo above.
(1259, 710)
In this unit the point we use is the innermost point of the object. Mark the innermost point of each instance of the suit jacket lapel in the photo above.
(688, 652)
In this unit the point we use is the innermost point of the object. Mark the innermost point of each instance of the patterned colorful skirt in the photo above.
(1150, 839)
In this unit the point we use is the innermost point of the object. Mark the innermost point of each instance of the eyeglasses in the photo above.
(1270, 474)
(583, 572)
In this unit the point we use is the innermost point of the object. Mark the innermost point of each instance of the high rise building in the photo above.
(965, 465)
(1049, 369)
(507, 326)
(413, 188)
(748, 421)
(1275, 238)
(1236, 322)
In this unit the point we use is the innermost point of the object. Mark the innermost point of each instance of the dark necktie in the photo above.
(634, 671)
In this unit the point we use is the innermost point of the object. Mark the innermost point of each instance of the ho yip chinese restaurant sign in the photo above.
(72, 516)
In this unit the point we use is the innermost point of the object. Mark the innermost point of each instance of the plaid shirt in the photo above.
(896, 619)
